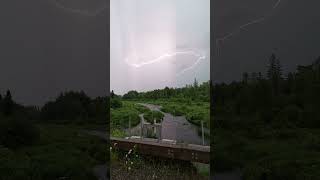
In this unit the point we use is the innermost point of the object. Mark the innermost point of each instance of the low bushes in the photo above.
(17, 132)
(120, 117)
(150, 115)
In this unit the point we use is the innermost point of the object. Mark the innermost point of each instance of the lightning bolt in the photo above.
(79, 11)
(135, 65)
(168, 56)
(220, 40)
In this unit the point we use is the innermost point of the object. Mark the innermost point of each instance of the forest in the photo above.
(50, 142)
(268, 124)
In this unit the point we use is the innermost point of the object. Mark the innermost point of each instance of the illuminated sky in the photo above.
(158, 43)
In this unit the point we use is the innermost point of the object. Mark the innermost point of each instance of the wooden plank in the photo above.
(187, 152)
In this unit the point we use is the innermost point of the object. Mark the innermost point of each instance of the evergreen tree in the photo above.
(260, 77)
(245, 77)
(195, 83)
(278, 69)
(254, 76)
(7, 104)
(274, 73)
(272, 67)
(112, 94)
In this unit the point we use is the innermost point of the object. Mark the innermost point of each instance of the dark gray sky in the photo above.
(49, 46)
(292, 28)
(46, 48)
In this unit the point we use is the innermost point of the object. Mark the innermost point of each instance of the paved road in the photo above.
(232, 175)
(100, 171)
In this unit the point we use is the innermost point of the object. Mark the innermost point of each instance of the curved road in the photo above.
(174, 127)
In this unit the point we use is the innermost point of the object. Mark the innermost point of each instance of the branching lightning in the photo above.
(169, 56)
(220, 40)
(79, 11)
(163, 57)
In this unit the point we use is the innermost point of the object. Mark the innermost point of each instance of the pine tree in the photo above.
(112, 94)
(272, 67)
(278, 69)
(245, 77)
(274, 73)
(260, 76)
(254, 76)
(195, 83)
(7, 104)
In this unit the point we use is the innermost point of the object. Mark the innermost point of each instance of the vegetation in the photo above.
(195, 112)
(51, 142)
(120, 116)
(71, 107)
(151, 115)
(17, 132)
(61, 151)
(194, 92)
(130, 165)
(269, 125)
(191, 101)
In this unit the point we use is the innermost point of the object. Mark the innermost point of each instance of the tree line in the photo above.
(18, 123)
(194, 92)
(67, 106)
(270, 99)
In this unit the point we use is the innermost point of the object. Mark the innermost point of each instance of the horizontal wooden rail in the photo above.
(153, 147)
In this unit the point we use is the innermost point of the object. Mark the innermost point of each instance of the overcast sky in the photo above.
(158, 43)
(290, 29)
(49, 46)
(46, 49)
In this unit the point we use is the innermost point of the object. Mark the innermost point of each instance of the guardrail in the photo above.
(164, 148)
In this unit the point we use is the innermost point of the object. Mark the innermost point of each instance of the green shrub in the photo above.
(115, 103)
(150, 115)
(172, 109)
(120, 117)
(141, 108)
(16, 132)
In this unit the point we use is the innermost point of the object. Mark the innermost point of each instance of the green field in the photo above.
(62, 151)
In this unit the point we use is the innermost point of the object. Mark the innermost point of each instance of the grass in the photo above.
(130, 165)
(276, 154)
(62, 151)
